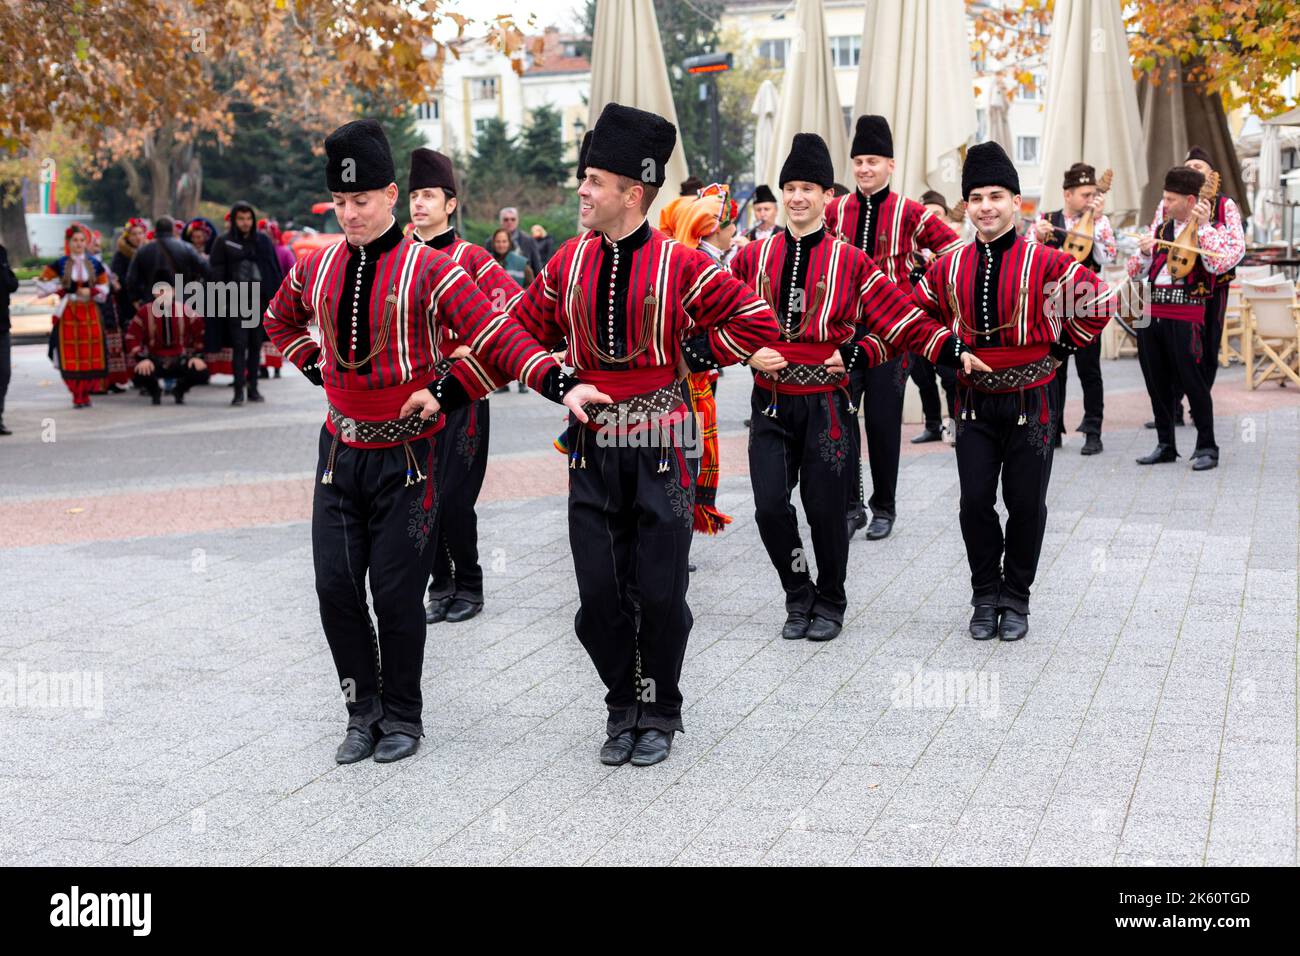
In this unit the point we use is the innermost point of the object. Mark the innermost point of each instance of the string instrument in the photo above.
(1184, 250)
(1079, 242)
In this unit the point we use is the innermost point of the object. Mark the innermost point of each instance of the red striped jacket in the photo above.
(1042, 293)
(674, 292)
(421, 294)
(499, 286)
(904, 228)
(845, 292)
(163, 336)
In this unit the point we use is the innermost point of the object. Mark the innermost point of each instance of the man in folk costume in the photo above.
(764, 208)
(80, 281)
(383, 303)
(1022, 307)
(893, 231)
(835, 311)
(461, 447)
(1080, 194)
(701, 223)
(625, 296)
(165, 340)
(1224, 234)
(1173, 343)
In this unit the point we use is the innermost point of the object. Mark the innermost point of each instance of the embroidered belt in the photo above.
(395, 430)
(1175, 295)
(1017, 376)
(810, 375)
(637, 411)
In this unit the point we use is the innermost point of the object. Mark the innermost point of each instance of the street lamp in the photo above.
(710, 65)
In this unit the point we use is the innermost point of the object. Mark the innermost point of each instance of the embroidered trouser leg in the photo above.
(462, 450)
(993, 447)
(1170, 352)
(807, 444)
(368, 521)
(630, 534)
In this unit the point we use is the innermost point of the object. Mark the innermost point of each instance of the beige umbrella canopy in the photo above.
(810, 102)
(766, 105)
(1177, 113)
(1091, 113)
(627, 66)
(916, 72)
(1000, 122)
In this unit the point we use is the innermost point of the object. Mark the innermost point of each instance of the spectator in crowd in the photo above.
(8, 286)
(521, 242)
(541, 239)
(247, 257)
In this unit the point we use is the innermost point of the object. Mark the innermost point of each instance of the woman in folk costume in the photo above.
(689, 220)
(113, 326)
(80, 281)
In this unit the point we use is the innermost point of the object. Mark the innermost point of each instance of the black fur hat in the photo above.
(872, 137)
(809, 161)
(430, 169)
(1184, 180)
(632, 143)
(987, 164)
(357, 158)
(763, 193)
(1080, 174)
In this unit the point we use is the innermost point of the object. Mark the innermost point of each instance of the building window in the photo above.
(483, 88)
(846, 51)
(427, 111)
(1027, 150)
(773, 53)
(479, 126)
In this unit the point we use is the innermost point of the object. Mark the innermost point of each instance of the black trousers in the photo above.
(185, 377)
(809, 444)
(922, 372)
(630, 528)
(462, 450)
(1216, 307)
(993, 447)
(878, 392)
(369, 522)
(246, 351)
(1088, 363)
(6, 366)
(1170, 354)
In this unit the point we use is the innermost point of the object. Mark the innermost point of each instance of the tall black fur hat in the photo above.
(358, 158)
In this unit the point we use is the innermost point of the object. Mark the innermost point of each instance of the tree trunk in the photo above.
(13, 224)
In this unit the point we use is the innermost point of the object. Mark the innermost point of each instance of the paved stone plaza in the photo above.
(157, 581)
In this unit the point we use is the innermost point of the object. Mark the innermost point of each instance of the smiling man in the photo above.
(835, 310)
(1022, 307)
(632, 304)
(893, 231)
(383, 304)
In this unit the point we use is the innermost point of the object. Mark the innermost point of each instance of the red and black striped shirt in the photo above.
(891, 229)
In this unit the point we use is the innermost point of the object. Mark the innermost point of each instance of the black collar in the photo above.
(388, 240)
(805, 242)
(1002, 243)
(638, 238)
(875, 198)
(442, 240)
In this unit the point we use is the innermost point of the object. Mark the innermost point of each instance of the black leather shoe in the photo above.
(462, 609)
(255, 396)
(1161, 455)
(178, 397)
(796, 626)
(435, 610)
(823, 629)
(1014, 625)
(618, 749)
(651, 747)
(239, 397)
(357, 745)
(690, 569)
(3, 430)
(857, 519)
(984, 622)
(928, 435)
(879, 528)
(1204, 462)
(1150, 424)
(1091, 445)
(395, 746)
